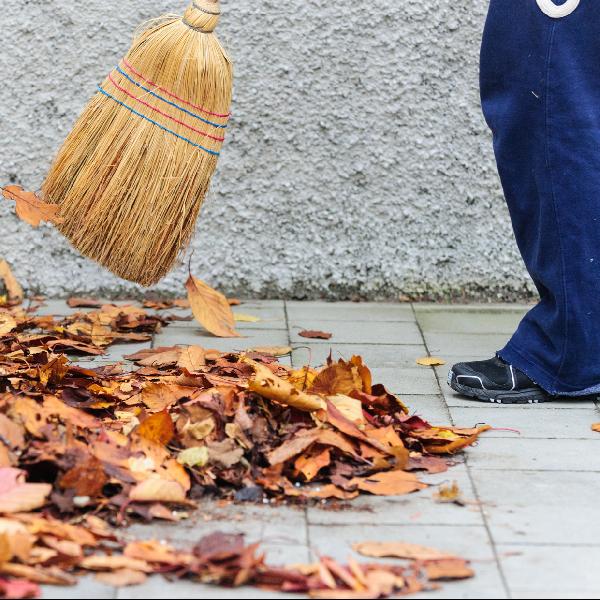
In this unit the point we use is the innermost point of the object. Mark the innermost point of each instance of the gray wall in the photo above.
(357, 165)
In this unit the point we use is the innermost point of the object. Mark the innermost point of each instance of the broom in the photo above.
(131, 176)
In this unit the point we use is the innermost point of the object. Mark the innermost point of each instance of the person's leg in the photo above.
(540, 88)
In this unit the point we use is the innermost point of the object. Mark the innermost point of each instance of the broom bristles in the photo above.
(131, 176)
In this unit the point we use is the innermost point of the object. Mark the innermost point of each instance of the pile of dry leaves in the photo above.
(93, 447)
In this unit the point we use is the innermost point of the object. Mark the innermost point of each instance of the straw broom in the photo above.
(131, 176)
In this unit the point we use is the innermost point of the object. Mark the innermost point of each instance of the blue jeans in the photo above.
(540, 91)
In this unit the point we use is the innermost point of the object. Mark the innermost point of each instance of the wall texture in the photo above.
(357, 165)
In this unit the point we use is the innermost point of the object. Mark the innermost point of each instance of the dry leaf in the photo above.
(157, 428)
(13, 288)
(430, 361)
(272, 350)
(29, 207)
(596, 427)
(210, 308)
(389, 483)
(18, 496)
(399, 550)
(313, 334)
(243, 318)
(158, 490)
(7, 322)
(122, 578)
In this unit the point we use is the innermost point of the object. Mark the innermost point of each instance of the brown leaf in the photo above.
(18, 496)
(210, 308)
(7, 322)
(160, 396)
(86, 479)
(112, 563)
(448, 569)
(310, 465)
(29, 207)
(293, 447)
(314, 334)
(192, 358)
(389, 483)
(158, 490)
(399, 550)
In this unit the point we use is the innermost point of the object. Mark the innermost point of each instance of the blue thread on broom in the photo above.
(169, 102)
(135, 112)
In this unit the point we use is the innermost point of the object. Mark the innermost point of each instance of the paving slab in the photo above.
(374, 355)
(358, 332)
(475, 345)
(515, 423)
(407, 380)
(468, 320)
(431, 407)
(568, 571)
(349, 311)
(540, 507)
(535, 454)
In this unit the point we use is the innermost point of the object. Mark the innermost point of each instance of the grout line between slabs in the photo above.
(491, 540)
(304, 510)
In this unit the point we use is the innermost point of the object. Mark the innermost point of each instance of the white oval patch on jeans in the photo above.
(557, 11)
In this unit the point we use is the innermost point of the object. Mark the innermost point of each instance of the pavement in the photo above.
(531, 525)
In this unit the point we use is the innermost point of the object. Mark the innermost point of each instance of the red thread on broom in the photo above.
(162, 89)
(160, 112)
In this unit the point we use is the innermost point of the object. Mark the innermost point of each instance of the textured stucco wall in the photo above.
(357, 165)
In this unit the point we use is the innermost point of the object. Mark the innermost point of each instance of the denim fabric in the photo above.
(540, 90)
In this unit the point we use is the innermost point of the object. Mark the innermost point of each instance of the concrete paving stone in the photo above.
(533, 507)
(197, 336)
(374, 355)
(551, 571)
(471, 542)
(535, 454)
(413, 509)
(464, 344)
(87, 587)
(550, 423)
(348, 311)
(431, 407)
(469, 320)
(407, 380)
(347, 332)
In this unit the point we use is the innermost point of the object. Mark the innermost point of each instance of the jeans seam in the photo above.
(547, 125)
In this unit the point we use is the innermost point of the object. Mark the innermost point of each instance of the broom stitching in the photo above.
(217, 125)
(135, 112)
(196, 27)
(166, 91)
(205, 10)
(164, 114)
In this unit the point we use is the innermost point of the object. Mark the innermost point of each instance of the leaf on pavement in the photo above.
(315, 334)
(399, 550)
(430, 361)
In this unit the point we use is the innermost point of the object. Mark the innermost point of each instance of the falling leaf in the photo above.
(449, 493)
(399, 550)
(430, 361)
(29, 207)
(318, 335)
(243, 318)
(210, 308)
(18, 496)
(13, 288)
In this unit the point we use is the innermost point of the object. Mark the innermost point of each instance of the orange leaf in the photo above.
(157, 428)
(210, 308)
(389, 483)
(399, 550)
(29, 207)
(158, 490)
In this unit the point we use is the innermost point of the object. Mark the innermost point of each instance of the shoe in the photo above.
(495, 380)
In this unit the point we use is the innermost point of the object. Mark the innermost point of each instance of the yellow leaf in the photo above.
(7, 322)
(193, 457)
(430, 361)
(242, 318)
(272, 350)
(210, 308)
(29, 207)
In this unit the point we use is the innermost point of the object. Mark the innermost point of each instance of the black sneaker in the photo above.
(495, 381)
